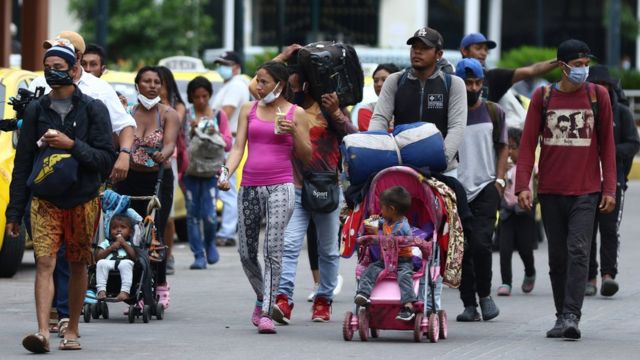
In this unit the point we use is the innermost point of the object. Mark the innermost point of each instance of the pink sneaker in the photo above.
(266, 326)
(255, 317)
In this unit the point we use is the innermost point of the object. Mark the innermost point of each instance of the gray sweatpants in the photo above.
(274, 203)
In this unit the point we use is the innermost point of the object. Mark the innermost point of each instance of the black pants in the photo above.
(140, 183)
(609, 225)
(476, 262)
(517, 231)
(312, 245)
(568, 223)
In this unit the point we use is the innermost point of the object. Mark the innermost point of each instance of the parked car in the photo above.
(11, 250)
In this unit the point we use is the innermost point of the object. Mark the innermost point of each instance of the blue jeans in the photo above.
(327, 226)
(199, 200)
(61, 283)
(229, 226)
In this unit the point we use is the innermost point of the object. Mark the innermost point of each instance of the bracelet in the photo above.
(125, 150)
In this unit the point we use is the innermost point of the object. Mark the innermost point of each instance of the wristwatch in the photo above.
(501, 182)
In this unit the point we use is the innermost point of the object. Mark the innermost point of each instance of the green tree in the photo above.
(144, 31)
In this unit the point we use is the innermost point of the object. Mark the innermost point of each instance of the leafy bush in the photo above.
(630, 79)
(252, 64)
(527, 55)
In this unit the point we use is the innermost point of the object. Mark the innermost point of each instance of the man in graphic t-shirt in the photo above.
(570, 173)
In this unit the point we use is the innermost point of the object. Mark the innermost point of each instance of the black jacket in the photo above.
(89, 125)
(626, 138)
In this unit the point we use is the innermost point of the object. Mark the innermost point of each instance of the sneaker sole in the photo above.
(490, 317)
(571, 333)
(320, 320)
(406, 319)
(608, 288)
(267, 331)
(278, 316)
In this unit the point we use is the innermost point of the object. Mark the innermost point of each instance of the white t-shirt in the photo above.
(97, 89)
(234, 92)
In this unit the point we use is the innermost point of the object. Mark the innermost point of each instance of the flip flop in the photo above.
(36, 343)
(69, 344)
(63, 324)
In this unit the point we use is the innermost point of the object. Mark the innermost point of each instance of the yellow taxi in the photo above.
(11, 250)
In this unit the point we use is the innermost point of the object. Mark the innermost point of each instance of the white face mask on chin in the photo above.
(271, 97)
(148, 103)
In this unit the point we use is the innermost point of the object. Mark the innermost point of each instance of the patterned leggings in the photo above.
(275, 203)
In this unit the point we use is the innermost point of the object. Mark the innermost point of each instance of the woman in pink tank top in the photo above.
(267, 182)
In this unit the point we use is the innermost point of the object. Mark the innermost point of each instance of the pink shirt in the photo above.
(269, 159)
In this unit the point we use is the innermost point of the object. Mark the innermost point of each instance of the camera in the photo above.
(19, 104)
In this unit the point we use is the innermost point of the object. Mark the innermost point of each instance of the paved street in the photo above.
(210, 310)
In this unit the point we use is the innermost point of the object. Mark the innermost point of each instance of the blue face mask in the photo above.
(578, 75)
(225, 71)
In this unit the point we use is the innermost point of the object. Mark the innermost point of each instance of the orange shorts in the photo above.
(50, 225)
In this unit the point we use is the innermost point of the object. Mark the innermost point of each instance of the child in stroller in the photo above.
(116, 253)
(394, 203)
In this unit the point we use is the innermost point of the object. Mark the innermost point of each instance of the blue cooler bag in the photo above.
(421, 145)
(368, 152)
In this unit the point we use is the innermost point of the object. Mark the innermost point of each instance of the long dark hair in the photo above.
(172, 87)
(278, 71)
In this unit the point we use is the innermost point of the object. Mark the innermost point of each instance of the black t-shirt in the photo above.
(496, 83)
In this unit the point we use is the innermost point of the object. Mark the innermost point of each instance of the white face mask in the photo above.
(148, 103)
(271, 97)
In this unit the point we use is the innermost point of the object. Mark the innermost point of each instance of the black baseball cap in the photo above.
(429, 37)
(229, 58)
(573, 49)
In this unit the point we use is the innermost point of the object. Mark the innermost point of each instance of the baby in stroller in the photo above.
(116, 252)
(394, 204)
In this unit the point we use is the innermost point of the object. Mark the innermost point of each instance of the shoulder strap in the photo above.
(403, 77)
(447, 81)
(546, 96)
(592, 93)
(495, 119)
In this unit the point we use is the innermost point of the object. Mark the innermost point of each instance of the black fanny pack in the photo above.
(320, 191)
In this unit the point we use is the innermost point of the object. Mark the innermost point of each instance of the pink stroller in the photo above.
(425, 218)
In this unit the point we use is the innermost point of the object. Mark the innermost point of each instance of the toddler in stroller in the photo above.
(116, 253)
(394, 203)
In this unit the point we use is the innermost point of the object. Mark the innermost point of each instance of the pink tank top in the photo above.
(269, 159)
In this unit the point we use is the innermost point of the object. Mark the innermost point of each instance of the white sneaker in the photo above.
(313, 293)
(338, 288)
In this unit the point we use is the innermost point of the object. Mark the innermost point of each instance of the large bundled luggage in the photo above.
(417, 144)
(331, 66)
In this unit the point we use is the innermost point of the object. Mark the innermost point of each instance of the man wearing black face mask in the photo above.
(483, 161)
(65, 135)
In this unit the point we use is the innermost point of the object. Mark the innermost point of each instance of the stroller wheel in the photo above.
(374, 333)
(159, 311)
(86, 312)
(444, 326)
(433, 328)
(363, 324)
(146, 313)
(95, 310)
(417, 327)
(347, 331)
(132, 313)
(105, 311)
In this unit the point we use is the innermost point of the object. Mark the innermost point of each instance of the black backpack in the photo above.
(330, 66)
